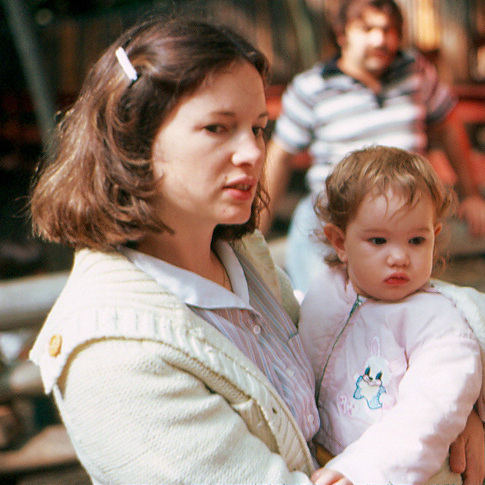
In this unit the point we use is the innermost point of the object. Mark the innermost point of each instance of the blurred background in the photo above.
(46, 48)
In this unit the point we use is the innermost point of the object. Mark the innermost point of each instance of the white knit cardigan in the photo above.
(151, 393)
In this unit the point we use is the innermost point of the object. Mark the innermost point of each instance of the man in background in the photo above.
(371, 93)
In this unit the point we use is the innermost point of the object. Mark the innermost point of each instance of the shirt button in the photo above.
(290, 372)
(311, 418)
(257, 329)
(55, 345)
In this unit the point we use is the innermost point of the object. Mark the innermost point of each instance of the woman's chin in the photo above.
(237, 219)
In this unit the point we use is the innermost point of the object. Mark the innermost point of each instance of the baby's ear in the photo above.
(336, 237)
(437, 228)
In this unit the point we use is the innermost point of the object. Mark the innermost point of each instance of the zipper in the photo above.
(357, 303)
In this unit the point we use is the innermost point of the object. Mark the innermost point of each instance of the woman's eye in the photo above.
(215, 128)
(378, 240)
(417, 240)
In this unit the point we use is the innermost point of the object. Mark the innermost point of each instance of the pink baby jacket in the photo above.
(395, 381)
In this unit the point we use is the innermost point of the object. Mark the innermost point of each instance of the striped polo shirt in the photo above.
(252, 319)
(330, 113)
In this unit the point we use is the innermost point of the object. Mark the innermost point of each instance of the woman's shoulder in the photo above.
(109, 278)
(105, 296)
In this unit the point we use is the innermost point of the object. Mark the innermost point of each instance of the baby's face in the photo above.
(389, 246)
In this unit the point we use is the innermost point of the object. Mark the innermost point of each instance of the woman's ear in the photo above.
(336, 237)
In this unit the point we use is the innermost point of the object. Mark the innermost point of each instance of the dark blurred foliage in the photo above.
(66, 8)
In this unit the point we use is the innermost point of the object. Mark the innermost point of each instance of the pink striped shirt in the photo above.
(252, 319)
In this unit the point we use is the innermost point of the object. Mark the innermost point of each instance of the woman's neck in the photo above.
(192, 253)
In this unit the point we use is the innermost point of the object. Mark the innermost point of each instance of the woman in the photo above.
(172, 352)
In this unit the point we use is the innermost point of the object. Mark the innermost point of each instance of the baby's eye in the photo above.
(378, 240)
(215, 128)
(416, 241)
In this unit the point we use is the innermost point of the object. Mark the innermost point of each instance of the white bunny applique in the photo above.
(370, 386)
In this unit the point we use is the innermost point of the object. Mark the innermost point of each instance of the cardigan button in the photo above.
(55, 345)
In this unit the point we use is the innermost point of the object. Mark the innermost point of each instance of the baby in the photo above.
(397, 367)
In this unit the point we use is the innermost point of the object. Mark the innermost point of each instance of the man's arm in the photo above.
(448, 136)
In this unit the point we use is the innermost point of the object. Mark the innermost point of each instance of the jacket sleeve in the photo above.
(134, 418)
(435, 396)
(471, 303)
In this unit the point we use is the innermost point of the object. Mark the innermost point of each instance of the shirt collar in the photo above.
(399, 64)
(192, 289)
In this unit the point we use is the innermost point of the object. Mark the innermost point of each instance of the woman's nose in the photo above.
(248, 149)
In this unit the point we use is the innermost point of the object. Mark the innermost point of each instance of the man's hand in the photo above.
(472, 210)
(468, 451)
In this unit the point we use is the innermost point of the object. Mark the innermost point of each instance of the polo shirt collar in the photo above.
(400, 62)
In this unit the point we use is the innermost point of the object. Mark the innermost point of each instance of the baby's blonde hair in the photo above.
(377, 170)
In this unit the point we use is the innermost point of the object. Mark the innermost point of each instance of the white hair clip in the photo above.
(126, 64)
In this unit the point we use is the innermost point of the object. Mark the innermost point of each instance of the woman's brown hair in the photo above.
(96, 187)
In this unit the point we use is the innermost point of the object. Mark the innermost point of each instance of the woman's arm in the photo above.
(467, 453)
(136, 419)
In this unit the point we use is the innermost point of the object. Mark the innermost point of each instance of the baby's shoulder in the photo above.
(427, 300)
(426, 313)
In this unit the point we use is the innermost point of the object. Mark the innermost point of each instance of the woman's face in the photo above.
(210, 150)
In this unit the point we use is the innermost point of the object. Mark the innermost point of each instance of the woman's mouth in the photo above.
(241, 190)
(241, 186)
